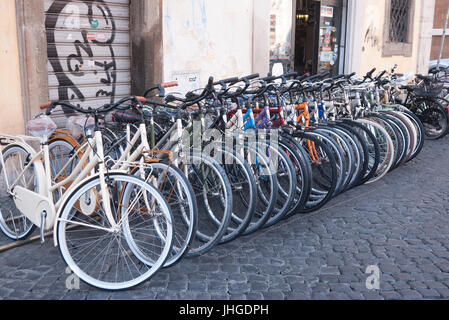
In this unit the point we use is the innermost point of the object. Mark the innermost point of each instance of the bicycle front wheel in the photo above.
(178, 192)
(115, 258)
(213, 194)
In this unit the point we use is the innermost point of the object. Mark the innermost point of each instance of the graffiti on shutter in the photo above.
(88, 51)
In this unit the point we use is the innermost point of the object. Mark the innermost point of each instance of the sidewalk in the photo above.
(400, 225)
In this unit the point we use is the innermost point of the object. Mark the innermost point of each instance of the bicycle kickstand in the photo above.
(42, 230)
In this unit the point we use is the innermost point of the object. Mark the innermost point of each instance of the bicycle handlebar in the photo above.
(369, 75)
(45, 105)
(317, 76)
(226, 81)
(195, 98)
(349, 76)
(169, 84)
(252, 76)
(104, 109)
(381, 75)
(161, 87)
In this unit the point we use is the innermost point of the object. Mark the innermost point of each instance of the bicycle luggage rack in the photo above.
(6, 139)
(125, 165)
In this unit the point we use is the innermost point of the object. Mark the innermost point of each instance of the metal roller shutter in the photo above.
(88, 45)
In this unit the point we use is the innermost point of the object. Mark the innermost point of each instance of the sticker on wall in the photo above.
(101, 37)
(325, 56)
(91, 36)
(187, 81)
(94, 23)
(91, 64)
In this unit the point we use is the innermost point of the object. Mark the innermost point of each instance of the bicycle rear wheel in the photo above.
(14, 223)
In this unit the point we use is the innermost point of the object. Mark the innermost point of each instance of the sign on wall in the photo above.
(187, 81)
(327, 12)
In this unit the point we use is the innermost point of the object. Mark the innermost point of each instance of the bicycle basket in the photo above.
(77, 124)
(429, 91)
(42, 127)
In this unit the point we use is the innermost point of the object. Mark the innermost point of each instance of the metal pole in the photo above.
(442, 39)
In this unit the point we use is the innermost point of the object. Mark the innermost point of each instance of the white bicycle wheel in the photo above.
(387, 151)
(111, 258)
(14, 223)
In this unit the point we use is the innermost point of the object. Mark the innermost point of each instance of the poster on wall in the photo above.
(327, 12)
(328, 43)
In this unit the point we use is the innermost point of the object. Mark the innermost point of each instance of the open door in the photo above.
(319, 36)
(330, 33)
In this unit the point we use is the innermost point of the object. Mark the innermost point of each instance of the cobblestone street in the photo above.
(400, 224)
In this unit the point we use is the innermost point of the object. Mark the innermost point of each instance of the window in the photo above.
(398, 28)
(399, 18)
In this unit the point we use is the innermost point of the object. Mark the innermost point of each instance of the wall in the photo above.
(146, 40)
(204, 38)
(11, 110)
(425, 37)
(354, 36)
(440, 13)
(261, 37)
(438, 25)
(436, 45)
(33, 55)
(373, 29)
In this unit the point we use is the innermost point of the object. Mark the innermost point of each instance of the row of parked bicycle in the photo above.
(140, 184)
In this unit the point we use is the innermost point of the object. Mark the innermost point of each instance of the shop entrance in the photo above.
(319, 36)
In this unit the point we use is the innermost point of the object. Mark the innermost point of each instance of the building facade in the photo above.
(437, 30)
(92, 52)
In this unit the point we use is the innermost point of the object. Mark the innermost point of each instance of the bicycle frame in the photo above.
(29, 202)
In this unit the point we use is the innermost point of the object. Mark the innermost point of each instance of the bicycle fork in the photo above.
(105, 194)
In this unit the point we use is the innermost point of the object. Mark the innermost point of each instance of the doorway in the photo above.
(319, 36)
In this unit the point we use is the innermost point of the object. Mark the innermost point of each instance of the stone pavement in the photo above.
(400, 225)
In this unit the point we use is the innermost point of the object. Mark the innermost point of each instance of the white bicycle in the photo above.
(114, 230)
